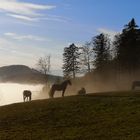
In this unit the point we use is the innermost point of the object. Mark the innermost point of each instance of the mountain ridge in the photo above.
(25, 74)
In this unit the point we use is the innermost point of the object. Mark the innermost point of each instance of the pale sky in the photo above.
(30, 29)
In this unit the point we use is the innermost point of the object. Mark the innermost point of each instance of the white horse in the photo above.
(27, 94)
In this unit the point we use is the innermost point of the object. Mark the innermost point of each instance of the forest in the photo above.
(109, 64)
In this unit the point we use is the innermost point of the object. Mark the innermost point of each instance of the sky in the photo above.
(30, 29)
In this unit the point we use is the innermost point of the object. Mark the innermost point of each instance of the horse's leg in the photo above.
(53, 91)
(24, 97)
(63, 91)
(30, 97)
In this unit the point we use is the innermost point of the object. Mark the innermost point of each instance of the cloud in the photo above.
(48, 17)
(111, 33)
(25, 37)
(21, 17)
(28, 11)
(56, 18)
(23, 10)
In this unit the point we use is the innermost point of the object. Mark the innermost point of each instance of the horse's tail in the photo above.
(51, 93)
(23, 97)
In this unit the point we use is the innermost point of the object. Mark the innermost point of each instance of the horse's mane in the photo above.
(66, 81)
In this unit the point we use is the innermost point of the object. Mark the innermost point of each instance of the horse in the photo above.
(27, 95)
(82, 91)
(135, 84)
(59, 87)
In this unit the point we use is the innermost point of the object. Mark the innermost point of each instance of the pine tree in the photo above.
(71, 61)
(128, 47)
(101, 46)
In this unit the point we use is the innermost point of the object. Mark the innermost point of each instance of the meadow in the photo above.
(101, 116)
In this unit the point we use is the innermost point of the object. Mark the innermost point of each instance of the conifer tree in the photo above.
(128, 47)
(101, 46)
(71, 61)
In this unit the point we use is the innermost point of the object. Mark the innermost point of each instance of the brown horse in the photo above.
(59, 87)
(27, 95)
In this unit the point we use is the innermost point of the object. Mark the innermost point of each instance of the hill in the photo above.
(24, 74)
(99, 117)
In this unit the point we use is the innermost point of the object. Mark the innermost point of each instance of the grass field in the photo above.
(108, 116)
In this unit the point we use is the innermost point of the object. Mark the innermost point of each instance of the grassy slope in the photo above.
(73, 118)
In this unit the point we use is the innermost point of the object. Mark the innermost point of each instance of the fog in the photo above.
(12, 93)
(111, 82)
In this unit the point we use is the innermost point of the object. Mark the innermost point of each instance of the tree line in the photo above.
(101, 55)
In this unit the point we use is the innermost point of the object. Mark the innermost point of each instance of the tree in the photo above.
(86, 57)
(101, 46)
(44, 65)
(116, 44)
(71, 61)
(130, 26)
(128, 48)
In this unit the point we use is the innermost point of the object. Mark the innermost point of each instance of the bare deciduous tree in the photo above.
(43, 64)
(87, 57)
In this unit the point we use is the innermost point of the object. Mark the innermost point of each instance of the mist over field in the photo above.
(13, 93)
(94, 83)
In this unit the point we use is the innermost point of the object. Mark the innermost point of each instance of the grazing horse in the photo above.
(27, 95)
(82, 91)
(59, 87)
(135, 84)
